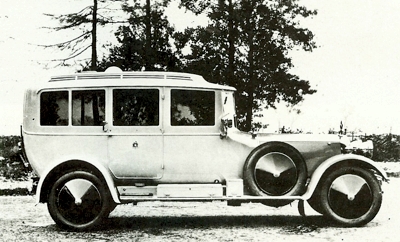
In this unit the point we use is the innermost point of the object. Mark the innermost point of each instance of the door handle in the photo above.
(105, 126)
(135, 144)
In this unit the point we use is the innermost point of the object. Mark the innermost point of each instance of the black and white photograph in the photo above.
(199, 120)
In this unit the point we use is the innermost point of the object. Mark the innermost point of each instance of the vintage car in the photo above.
(99, 139)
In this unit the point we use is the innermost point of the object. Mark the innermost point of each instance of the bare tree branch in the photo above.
(87, 19)
(67, 15)
(73, 56)
(66, 42)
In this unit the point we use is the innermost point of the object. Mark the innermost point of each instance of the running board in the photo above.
(245, 198)
(232, 191)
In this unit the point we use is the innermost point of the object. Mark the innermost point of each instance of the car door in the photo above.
(135, 137)
(193, 148)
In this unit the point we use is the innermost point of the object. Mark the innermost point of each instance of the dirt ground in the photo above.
(22, 220)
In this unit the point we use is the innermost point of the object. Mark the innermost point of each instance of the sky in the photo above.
(355, 69)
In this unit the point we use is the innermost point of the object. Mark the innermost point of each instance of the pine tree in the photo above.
(246, 45)
(85, 22)
(144, 44)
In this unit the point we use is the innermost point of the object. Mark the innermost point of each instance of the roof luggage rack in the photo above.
(119, 74)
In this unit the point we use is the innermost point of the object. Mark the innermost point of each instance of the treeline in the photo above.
(386, 147)
(11, 165)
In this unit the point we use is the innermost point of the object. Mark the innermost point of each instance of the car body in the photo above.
(99, 139)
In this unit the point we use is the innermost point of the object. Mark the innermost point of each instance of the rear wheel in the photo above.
(79, 201)
(351, 196)
(275, 169)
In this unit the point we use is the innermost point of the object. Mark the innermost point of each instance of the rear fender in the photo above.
(341, 160)
(47, 176)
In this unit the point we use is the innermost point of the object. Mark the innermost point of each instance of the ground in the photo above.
(22, 220)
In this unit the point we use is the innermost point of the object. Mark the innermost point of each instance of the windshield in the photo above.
(229, 106)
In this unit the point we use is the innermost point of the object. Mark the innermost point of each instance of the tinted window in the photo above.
(136, 107)
(54, 108)
(88, 108)
(193, 108)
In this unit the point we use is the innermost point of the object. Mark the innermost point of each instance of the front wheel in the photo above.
(78, 201)
(351, 196)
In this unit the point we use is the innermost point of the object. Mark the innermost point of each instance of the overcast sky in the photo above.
(356, 68)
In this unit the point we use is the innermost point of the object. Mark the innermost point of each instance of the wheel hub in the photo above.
(350, 198)
(78, 201)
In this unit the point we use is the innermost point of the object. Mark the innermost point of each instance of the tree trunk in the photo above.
(250, 59)
(250, 90)
(94, 37)
(148, 50)
(231, 50)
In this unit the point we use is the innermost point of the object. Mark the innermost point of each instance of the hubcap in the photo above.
(79, 201)
(350, 196)
(275, 174)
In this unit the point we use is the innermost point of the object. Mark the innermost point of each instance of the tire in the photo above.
(79, 201)
(111, 207)
(351, 196)
(275, 169)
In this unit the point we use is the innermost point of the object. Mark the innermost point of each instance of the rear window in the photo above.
(54, 108)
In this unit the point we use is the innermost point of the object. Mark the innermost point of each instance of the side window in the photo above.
(54, 108)
(88, 108)
(192, 108)
(136, 107)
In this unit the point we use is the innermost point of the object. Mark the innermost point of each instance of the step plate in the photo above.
(190, 191)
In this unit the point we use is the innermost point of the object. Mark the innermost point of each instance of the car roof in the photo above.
(118, 78)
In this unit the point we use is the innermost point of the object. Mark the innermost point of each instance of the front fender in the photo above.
(105, 173)
(336, 160)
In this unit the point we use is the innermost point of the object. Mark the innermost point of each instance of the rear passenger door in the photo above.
(135, 137)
